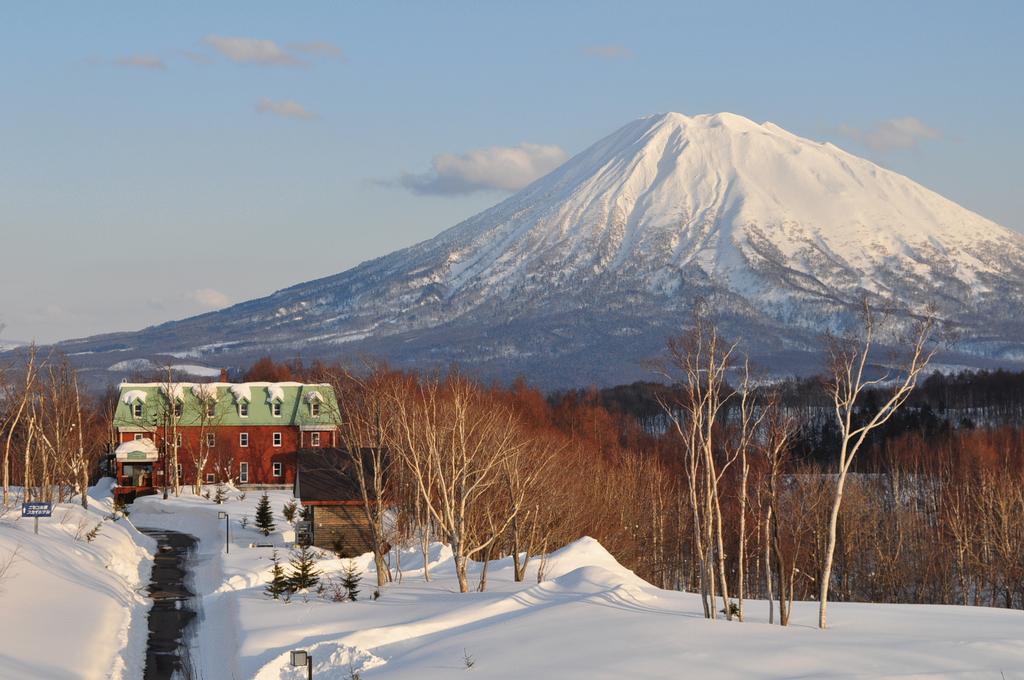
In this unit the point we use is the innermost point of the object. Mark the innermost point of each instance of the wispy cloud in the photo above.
(319, 48)
(209, 298)
(147, 61)
(251, 50)
(608, 51)
(284, 108)
(501, 168)
(895, 133)
(196, 57)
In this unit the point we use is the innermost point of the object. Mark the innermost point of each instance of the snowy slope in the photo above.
(72, 608)
(593, 265)
(589, 617)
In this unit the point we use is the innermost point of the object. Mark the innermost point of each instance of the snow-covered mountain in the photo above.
(579, 277)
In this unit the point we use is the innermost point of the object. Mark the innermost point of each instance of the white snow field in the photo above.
(589, 618)
(69, 607)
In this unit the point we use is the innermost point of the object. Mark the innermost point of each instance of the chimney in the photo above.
(224, 375)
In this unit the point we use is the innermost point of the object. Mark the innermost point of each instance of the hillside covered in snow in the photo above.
(78, 615)
(582, 275)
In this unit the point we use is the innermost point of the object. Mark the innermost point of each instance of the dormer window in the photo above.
(243, 409)
(178, 409)
(137, 409)
(211, 409)
(276, 409)
(314, 409)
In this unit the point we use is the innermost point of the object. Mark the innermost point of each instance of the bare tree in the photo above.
(21, 399)
(847, 381)
(455, 441)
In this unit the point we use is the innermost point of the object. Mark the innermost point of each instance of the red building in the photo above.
(244, 433)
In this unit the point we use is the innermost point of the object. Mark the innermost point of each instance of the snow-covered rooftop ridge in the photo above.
(274, 393)
(130, 396)
(144, 445)
(225, 385)
(174, 391)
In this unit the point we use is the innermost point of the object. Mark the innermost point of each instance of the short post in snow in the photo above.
(227, 535)
(301, 657)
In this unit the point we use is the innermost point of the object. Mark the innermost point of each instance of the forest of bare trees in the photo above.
(712, 481)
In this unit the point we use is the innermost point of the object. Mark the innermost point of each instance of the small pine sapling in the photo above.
(304, 574)
(289, 511)
(468, 659)
(278, 584)
(220, 495)
(350, 579)
(91, 536)
(264, 516)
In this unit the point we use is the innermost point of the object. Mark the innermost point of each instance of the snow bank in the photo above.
(70, 607)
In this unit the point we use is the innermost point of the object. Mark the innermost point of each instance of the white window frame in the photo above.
(179, 409)
(278, 439)
(210, 478)
(181, 473)
(243, 440)
(314, 439)
(211, 408)
(243, 473)
(139, 436)
(278, 470)
(243, 409)
(177, 440)
(211, 440)
(137, 409)
(276, 409)
(314, 409)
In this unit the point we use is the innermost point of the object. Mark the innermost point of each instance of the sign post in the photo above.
(227, 533)
(36, 510)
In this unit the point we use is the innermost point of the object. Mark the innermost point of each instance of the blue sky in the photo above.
(161, 159)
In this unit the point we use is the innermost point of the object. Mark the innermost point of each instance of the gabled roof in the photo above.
(327, 476)
(293, 397)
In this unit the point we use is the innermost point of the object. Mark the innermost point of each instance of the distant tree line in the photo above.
(858, 485)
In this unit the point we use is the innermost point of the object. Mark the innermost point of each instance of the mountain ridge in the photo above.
(601, 259)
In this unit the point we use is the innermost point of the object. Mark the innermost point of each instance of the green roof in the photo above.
(295, 399)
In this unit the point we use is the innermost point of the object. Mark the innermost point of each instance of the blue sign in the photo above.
(36, 509)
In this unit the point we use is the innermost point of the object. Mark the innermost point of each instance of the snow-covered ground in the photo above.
(71, 607)
(589, 618)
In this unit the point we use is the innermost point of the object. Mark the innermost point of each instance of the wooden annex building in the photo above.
(326, 482)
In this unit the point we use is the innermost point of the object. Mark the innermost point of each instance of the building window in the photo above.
(277, 469)
(177, 440)
(211, 409)
(314, 409)
(211, 440)
(243, 439)
(137, 409)
(138, 436)
(179, 472)
(277, 439)
(243, 473)
(243, 409)
(276, 408)
(209, 478)
(314, 439)
(178, 407)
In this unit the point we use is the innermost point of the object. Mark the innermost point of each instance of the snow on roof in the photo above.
(242, 391)
(175, 391)
(134, 395)
(144, 446)
(205, 391)
(274, 393)
(313, 395)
